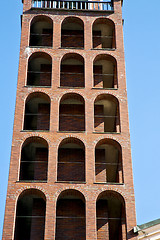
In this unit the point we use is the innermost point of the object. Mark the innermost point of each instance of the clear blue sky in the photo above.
(142, 51)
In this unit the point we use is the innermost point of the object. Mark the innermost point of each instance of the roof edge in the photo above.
(149, 224)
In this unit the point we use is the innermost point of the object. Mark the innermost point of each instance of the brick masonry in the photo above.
(52, 189)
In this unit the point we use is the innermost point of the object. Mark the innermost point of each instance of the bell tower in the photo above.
(71, 169)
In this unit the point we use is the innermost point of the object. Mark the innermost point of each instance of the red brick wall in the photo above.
(43, 118)
(72, 38)
(71, 165)
(71, 117)
(102, 220)
(70, 221)
(72, 75)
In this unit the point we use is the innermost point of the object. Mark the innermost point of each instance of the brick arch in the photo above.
(71, 136)
(31, 204)
(109, 141)
(72, 32)
(107, 57)
(58, 192)
(72, 95)
(106, 113)
(105, 28)
(40, 54)
(108, 151)
(81, 94)
(111, 138)
(111, 211)
(107, 96)
(72, 140)
(103, 21)
(72, 19)
(38, 94)
(70, 215)
(26, 188)
(41, 34)
(25, 137)
(105, 71)
(71, 192)
(40, 17)
(29, 191)
(74, 55)
(71, 160)
(35, 139)
(72, 70)
(95, 95)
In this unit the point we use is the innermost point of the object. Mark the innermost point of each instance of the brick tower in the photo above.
(71, 171)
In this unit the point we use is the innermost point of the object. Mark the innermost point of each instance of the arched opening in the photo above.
(105, 72)
(110, 212)
(72, 113)
(72, 71)
(34, 160)
(103, 33)
(41, 31)
(106, 114)
(71, 160)
(108, 162)
(39, 70)
(72, 33)
(70, 216)
(37, 112)
(30, 216)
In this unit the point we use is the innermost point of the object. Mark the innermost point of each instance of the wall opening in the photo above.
(72, 33)
(37, 112)
(108, 162)
(30, 216)
(103, 33)
(105, 72)
(39, 70)
(72, 113)
(34, 160)
(110, 212)
(72, 71)
(106, 114)
(41, 32)
(70, 216)
(71, 160)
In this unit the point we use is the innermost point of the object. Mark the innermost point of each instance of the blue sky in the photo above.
(142, 51)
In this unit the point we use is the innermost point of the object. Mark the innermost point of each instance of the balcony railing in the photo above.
(74, 5)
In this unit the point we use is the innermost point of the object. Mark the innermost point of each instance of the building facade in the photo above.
(71, 170)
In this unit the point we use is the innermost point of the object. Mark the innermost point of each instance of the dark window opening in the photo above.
(71, 161)
(103, 34)
(72, 113)
(105, 72)
(37, 113)
(41, 32)
(108, 163)
(72, 71)
(70, 218)
(39, 70)
(110, 218)
(106, 115)
(30, 218)
(72, 33)
(34, 161)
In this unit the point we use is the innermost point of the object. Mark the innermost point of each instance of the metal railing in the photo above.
(73, 5)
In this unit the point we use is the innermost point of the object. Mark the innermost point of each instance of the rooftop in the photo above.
(149, 224)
